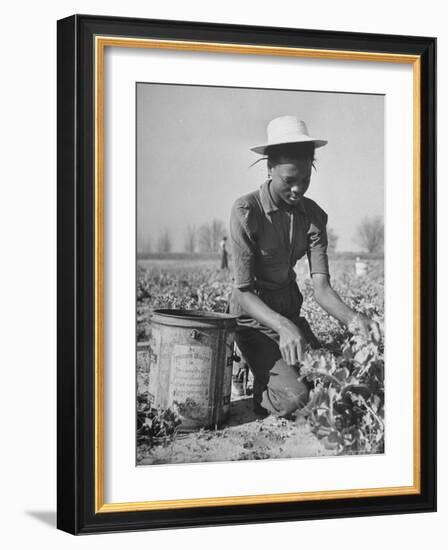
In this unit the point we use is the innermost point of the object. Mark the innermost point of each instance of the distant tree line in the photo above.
(370, 235)
(144, 245)
(206, 238)
(164, 243)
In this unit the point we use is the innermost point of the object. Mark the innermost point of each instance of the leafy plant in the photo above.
(156, 425)
(346, 375)
(346, 405)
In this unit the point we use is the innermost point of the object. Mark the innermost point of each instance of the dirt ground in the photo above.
(245, 437)
(174, 284)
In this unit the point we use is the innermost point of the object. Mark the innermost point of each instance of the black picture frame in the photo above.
(77, 508)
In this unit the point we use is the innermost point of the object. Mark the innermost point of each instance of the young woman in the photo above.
(270, 229)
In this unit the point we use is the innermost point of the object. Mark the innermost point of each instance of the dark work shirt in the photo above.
(267, 241)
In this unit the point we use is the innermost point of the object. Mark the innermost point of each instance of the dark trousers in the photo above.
(276, 384)
(224, 260)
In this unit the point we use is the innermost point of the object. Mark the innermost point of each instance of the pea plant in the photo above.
(346, 404)
(345, 375)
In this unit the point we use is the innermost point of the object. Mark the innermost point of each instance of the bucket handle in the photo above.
(234, 356)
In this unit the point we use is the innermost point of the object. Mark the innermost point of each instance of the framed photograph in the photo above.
(246, 274)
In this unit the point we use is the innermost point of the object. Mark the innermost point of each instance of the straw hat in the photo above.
(287, 129)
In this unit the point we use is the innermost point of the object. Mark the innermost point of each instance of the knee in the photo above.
(285, 393)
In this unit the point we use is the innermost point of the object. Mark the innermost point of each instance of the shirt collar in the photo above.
(266, 200)
(269, 205)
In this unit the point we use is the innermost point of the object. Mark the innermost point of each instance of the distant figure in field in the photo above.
(360, 267)
(224, 254)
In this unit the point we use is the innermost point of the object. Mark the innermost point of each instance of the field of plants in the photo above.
(345, 411)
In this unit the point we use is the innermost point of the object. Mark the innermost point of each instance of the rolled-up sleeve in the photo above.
(243, 244)
(318, 243)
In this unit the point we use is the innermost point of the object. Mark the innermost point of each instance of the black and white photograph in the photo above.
(222, 249)
(260, 274)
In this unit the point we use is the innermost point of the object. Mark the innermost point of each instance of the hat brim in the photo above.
(261, 149)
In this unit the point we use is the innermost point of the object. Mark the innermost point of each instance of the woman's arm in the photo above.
(330, 300)
(243, 231)
(291, 342)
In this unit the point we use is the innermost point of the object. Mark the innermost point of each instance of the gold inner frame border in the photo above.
(100, 44)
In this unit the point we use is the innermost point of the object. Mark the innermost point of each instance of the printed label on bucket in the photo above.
(190, 379)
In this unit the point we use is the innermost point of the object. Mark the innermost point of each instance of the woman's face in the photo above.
(290, 179)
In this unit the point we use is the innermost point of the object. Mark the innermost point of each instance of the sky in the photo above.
(193, 157)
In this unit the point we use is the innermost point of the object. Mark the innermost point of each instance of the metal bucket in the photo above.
(191, 362)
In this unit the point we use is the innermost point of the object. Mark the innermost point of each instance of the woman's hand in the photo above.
(292, 342)
(361, 324)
